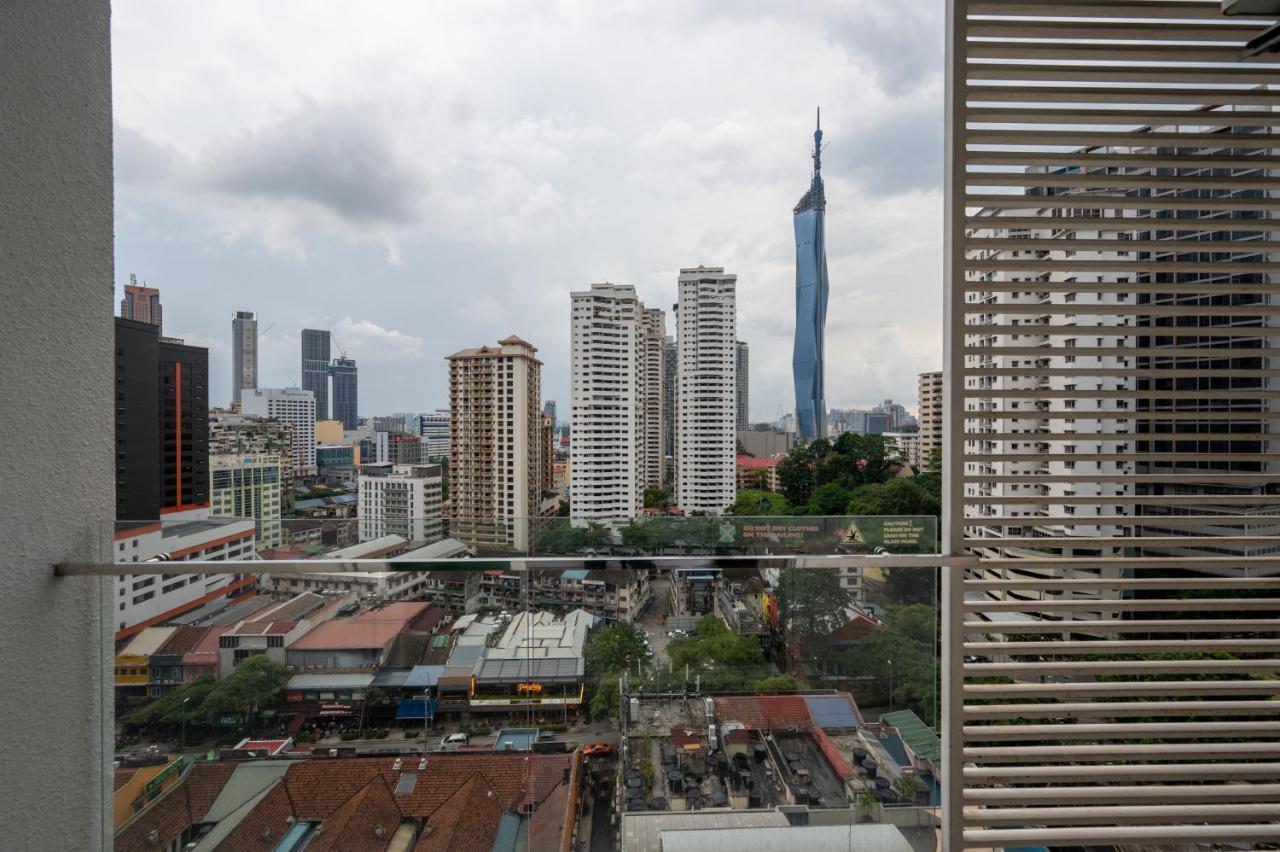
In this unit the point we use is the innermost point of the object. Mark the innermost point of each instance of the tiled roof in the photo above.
(265, 825)
(355, 824)
(765, 712)
(264, 628)
(182, 641)
(465, 822)
(185, 804)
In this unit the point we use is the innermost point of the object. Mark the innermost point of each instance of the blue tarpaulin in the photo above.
(416, 708)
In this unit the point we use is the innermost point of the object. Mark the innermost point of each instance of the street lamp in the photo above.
(182, 745)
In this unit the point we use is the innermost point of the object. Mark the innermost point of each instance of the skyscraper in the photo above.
(706, 390)
(142, 304)
(669, 359)
(244, 353)
(744, 394)
(650, 380)
(496, 445)
(162, 423)
(343, 371)
(549, 409)
(605, 370)
(315, 368)
(811, 302)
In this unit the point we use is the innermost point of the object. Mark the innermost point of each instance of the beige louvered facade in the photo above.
(1111, 411)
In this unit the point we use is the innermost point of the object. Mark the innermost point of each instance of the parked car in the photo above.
(595, 749)
(454, 741)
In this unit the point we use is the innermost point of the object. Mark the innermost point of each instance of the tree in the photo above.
(656, 497)
(752, 503)
(256, 682)
(811, 604)
(604, 696)
(908, 643)
(829, 499)
(562, 536)
(912, 585)
(780, 684)
(895, 497)
(612, 647)
(723, 658)
(795, 477)
(183, 704)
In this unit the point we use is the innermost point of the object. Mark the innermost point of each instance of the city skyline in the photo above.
(479, 183)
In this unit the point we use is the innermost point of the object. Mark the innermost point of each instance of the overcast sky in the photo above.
(424, 177)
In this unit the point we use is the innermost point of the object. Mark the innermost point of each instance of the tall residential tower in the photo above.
(706, 390)
(811, 302)
(244, 353)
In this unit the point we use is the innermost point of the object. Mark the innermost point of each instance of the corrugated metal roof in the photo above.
(508, 837)
(329, 681)
(390, 678)
(812, 838)
(917, 736)
(546, 670)
(423, 676)
(645, 832)
(833, 711)
(147, 641)
(249, 780)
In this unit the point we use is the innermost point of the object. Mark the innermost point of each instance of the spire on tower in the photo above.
(817, 144)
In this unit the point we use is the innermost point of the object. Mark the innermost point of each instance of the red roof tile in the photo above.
(265, 825)
(355, 824)
(182, 806)
(182, 640)
(765, 712)
(465, 822)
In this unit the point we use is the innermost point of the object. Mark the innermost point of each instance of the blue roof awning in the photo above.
(420, 677)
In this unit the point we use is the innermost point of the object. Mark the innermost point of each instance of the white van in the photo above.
(454, 742)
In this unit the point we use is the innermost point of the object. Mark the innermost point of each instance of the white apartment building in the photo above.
(616, 404)
(434, 429)
(908, 444)
(706, 390)
(140, 600)
(407, 502)
(930, 396)
(294, 406)
(248, 486)
(1036, 454)
(496, 445)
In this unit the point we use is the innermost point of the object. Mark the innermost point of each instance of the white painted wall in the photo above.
(56, 341)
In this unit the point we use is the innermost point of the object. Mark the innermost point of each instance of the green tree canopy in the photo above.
(184, 704)
(656, 497)
(256, 681)
(714, 645)
(754, 503)
(612, 647)
(830, 498)
(907, 643)
(895, 497)
(811, 604)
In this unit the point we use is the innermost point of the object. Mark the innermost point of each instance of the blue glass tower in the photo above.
(811, 301)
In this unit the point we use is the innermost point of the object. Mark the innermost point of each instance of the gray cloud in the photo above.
(335, 157)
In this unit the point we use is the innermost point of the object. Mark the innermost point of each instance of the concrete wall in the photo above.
(57, 382)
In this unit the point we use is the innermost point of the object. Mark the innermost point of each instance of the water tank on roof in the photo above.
(635, 711)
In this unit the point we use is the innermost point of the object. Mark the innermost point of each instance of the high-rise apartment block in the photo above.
(930, 394)
(495, 445)
(244, 353)
(248, 486)
(616, 375)
(403, 500)
(162, 423)
(315, 368)
(706, 390)
(669, 360)
(343, 396)
(807, 356)
(142, 304)
(744, 384)
(294, 406)
(241, 435)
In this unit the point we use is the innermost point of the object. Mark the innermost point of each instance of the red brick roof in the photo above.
(372, 629)
(765, 712)
(758, 462)
(265, 825)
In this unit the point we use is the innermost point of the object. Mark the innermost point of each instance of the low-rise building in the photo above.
(472, 800)
(273, 630)
(759, 472)
(142, 600)
(359, 642)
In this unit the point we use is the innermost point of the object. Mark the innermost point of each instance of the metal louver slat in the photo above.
(1111, 450)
